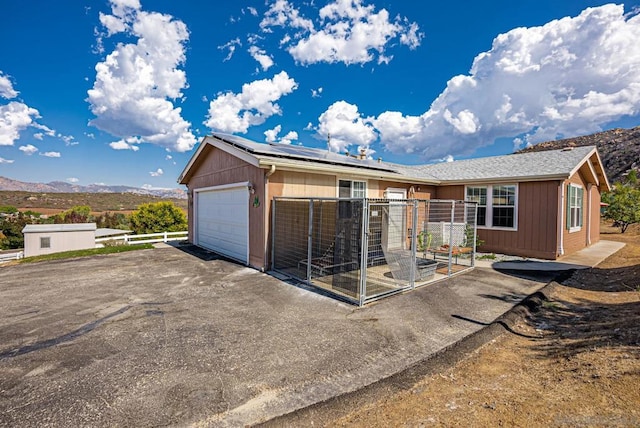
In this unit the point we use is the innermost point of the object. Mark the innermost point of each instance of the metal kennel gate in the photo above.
(361, 250)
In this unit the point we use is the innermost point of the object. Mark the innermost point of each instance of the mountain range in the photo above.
(619, 149)
(64, 187)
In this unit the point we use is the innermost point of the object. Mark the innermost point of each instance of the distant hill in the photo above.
(52, 202)
(64, 187)
(618, 148)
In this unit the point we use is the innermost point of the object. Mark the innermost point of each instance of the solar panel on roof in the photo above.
(300, 152)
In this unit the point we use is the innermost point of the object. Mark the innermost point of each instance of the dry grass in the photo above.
(575, 362)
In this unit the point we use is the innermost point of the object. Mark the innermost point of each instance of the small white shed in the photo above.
(55, 238)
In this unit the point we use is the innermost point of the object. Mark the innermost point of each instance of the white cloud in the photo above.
(168, 157)
(69, 140)
(6, 87)
(252, 10)
(231, 46)
(3, 160)
(50, 154)
(344, 125)
(282, 14)
(157, 173)
(130, 143)
(15, 117)
(261, 56)
(348, 31)
(73, 180)
(565, 78)
(28, 149)
(45, 130)
(231, 112)
(271, 136)
(316, 93)
(136, 83)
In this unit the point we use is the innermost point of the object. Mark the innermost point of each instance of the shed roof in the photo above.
(105, 231)
(46, 228)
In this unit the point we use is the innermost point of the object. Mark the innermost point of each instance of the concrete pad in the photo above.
(583, 259)
(170, 337)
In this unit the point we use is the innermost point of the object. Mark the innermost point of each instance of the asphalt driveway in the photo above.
(167, 337)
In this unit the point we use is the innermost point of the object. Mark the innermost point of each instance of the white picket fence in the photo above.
(147, 238)
(7, 257)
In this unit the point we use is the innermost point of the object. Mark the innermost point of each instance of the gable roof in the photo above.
(531, 166)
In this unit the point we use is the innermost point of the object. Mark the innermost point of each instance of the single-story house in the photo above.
(538, 204)
(55, 238)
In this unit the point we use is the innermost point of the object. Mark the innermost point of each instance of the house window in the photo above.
(45, 242)
(496, 205)
(504, 206)
(479, 195)
(352, 189)
(575, 196)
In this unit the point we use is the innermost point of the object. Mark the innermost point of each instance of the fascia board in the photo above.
(219, 144)
(517, 179)
(266, 162)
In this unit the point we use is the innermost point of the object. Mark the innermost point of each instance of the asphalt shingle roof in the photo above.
(522, 165)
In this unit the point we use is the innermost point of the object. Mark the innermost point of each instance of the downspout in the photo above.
(268, 174)
(589, 214)
(561, 219)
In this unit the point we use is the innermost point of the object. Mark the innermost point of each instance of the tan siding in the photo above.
(378, 187)
(299, 184)
(295, 184)
(216, 167)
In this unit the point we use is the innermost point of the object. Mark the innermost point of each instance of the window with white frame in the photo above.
(45, 242)
(352, 189)
(496, 204)
(479, 195)
(575, 196)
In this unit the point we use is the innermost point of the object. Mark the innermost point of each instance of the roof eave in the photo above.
(603, 183)
(513, 179)
(281, 163)
(218, 143)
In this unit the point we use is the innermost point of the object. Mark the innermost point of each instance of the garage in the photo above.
(222, 220)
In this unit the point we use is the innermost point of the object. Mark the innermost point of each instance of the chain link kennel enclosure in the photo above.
(361, 250)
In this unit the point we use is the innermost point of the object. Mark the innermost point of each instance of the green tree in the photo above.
(8, 209)
(11, 231)
(112, 220)
(158, 217)
(77, 214)
(624, 202)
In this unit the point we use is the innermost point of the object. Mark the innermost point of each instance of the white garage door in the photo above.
(222, 221)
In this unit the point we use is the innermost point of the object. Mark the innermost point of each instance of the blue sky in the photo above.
(121, 91)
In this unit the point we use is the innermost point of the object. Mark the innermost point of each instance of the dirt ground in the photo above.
(575, 362)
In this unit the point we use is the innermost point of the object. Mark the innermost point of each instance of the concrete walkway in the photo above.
(583, 259)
